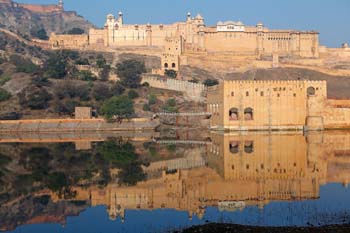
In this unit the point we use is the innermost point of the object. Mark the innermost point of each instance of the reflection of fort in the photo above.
(243, 170)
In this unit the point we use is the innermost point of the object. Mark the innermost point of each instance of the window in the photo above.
(232, 93)
(248, 114)
(311, 91)
(249, 147)
(166, 65)
(234, 147)
(233, 114)
(173, 65)
(247, 93)
(261, 93)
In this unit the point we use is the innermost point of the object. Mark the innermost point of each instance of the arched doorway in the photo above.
(233, 114)
(248, 114)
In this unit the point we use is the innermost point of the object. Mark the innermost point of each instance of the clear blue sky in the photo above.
(330, 17)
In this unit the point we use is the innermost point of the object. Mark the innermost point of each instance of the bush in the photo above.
(171, 73)
(132, 94)
(23, 65)
(40, 81)
(194, 81)
(117, 89)
(211, 82)
(101, 91)
(120, 106)
(129, 72)
(104, 73)
(66, 107)
(55, 67)
(170, 106)
(100, 61)
(82, 62)
(4, 79)
(76, 31)
(152, 99)
(69, 89)
(4, 95)
(40, 34)
(86, 75)
(146, 108)
(35, 98)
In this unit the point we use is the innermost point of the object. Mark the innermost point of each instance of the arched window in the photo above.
(173, 65)
(234, 147)
(166, 65)
(311, 91)
(249, 147)
(233, 114)
(248, 114)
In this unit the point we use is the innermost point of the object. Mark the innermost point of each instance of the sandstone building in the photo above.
(275, 105)
(193, 35)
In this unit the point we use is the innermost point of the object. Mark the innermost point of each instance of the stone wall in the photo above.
(194, 91)
(279, 105)
(68, 41)
(41, 8)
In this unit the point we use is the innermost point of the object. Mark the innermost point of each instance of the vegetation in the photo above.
(100, 61)
(170, 106)
(101, 92)
(4, 79)
(104, 73)
(118, 106)
(35, 98)
(171, 73)
(76, 31)
(86, 75)
(129, 72)
(211, 82)
(23, 65)
(40, 34)
(132, 94)
(70, 89)
(55, 67)
(4, 95)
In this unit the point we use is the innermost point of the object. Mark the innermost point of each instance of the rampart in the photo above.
(76, 125)
(194, 91)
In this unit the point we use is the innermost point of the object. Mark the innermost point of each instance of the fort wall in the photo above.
(195, 91)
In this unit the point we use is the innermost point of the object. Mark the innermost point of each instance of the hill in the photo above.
(25, 19)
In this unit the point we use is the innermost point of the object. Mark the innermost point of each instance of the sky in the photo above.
(329, 17)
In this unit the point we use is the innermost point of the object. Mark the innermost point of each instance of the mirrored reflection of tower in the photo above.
(61, 4)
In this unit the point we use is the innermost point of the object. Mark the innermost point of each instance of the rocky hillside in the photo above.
(23, 21)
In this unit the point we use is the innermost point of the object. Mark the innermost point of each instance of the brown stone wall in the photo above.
(68, 41)
(41, 8)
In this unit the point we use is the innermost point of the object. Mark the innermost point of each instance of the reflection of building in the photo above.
(268, 105)
(244, 170)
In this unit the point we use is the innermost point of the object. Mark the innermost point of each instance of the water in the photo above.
(152, 183)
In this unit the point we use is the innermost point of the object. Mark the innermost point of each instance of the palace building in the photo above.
(194, 35)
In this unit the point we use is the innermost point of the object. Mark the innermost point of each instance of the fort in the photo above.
(275, 105)
(37, 8)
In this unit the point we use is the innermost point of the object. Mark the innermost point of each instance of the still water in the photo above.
(147, 182)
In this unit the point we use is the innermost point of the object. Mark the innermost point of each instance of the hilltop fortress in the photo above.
(194, 35)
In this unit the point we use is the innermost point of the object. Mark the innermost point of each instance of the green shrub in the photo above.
(211, 82)
(4, 79)
(40, 34)
(86, 75)
(129, 72)
(146, 108)
(120, 106)
(152, 99)
(171, 73)
(4, 95)
(23, 65)
(132, 94)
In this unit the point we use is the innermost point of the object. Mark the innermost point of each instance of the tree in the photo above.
(104, 73)
(211, 82)
(23, 65)
(40, 34)
(35, 98)
(132, 94)
(76, 31)
(101, 61)
(86, 75)
(120, 106)
(129, 72)
(4, 95)
(101, 91)
(171, 73)
(55, 67)
(117, 89)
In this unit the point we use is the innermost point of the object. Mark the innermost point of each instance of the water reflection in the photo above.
(46, 182)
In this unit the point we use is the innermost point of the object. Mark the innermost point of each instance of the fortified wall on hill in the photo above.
(193, 35)
(52, 8)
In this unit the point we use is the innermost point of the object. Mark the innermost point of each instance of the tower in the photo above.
(60, 4)
(120, 18)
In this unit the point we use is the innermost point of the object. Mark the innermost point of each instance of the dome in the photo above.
(199, 16)
(120, 13)
(110, 16)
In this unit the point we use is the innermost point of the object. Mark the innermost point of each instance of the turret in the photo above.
(60, 4)
(188, 16)
(120, 18)
(260, 39)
